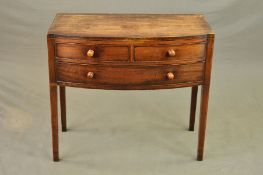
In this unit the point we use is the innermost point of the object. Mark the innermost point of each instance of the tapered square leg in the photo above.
(202, 122)
(62, 91)
(193, 108)
(54, 121)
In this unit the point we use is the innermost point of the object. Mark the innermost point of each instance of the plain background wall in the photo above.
(131, 132)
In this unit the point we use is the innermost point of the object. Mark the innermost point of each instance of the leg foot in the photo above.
(199, 157)
(55, 157)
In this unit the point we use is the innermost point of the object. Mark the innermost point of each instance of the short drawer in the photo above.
(92, 52)
(129, 75)
(180, 53)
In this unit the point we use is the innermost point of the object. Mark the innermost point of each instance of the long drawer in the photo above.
(129, 75)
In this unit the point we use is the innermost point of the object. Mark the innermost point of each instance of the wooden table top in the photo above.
(129, 25)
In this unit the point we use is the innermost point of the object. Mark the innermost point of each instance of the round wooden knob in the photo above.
(170, 75)
(90, 75)
(171, 52)
(90, 53)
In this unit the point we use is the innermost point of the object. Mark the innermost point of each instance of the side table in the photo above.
(129, 52)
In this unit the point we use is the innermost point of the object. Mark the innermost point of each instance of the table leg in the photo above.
(54, 121)
(193, 108)
(62, 91)
(202, 121)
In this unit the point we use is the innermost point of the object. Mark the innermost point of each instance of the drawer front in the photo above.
(180, 54)
(129, 75)
(92, 52)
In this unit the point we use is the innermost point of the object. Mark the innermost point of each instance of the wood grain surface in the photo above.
(132, 75)
(160, 53)
(101, 52)
(129, 25)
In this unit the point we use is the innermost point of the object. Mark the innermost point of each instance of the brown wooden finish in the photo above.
(101, 53)
(204, 99)
(132, 75)
(202, 122)
(130, 41)
(182, 53)
(129, 87)
(54, 122)
(129, 25)
(53, 98)
(129, 52)
(51, 60)
(193, 108)
(62, 91)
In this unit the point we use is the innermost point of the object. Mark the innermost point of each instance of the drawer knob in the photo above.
(90, 53)
(171, 52)
(170, 75)
(90, 75)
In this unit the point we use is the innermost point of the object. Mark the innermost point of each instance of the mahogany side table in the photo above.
(129, 52)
